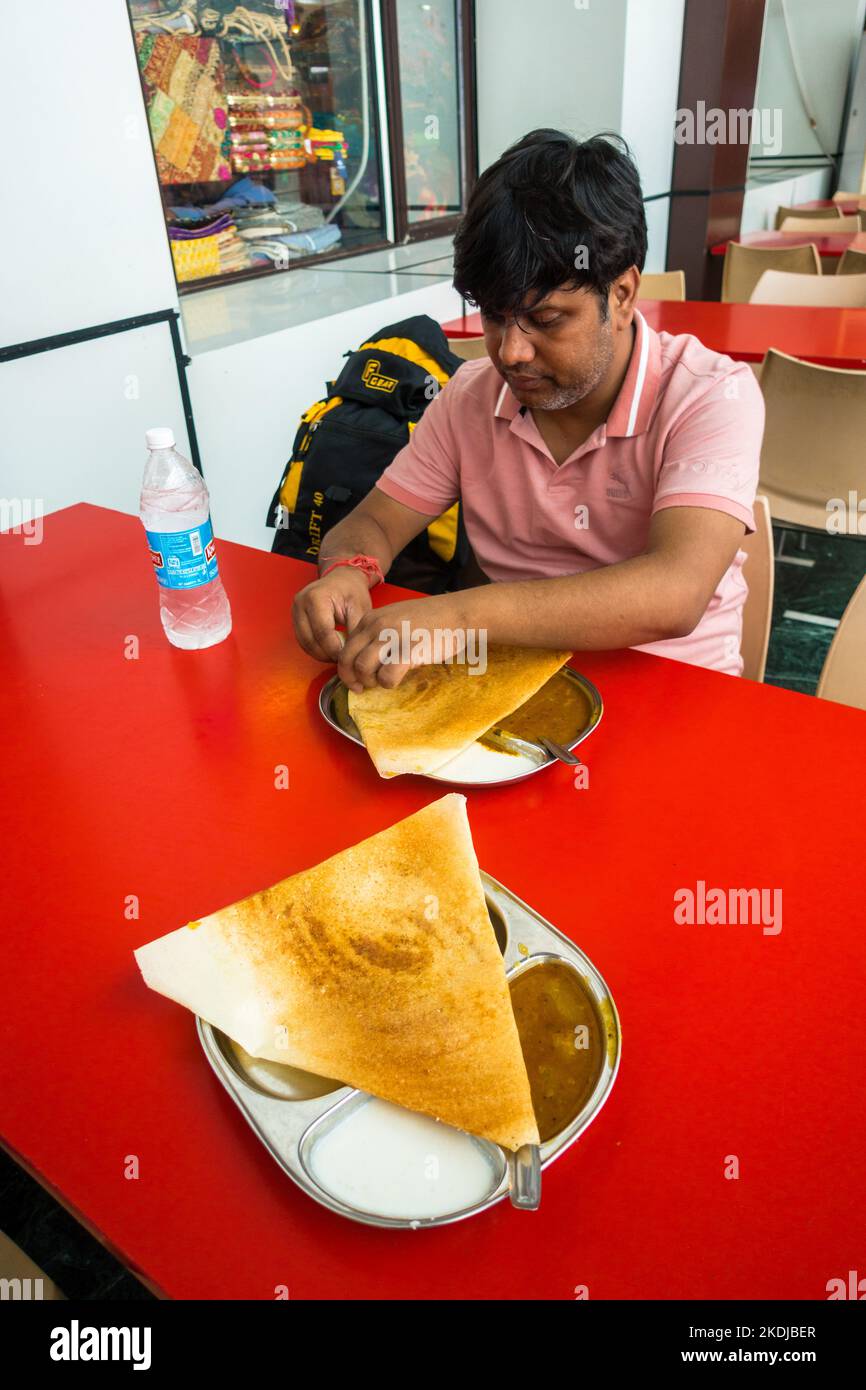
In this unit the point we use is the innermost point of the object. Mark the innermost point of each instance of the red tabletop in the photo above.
(831, 244)
(155, 777)
(831, 337)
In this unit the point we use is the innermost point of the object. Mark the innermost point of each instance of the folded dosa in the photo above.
(379, 966)
(438, 711)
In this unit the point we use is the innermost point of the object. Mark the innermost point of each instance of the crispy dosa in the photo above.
(379, 966)
(438, 711)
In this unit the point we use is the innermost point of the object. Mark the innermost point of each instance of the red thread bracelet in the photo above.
(368, 565)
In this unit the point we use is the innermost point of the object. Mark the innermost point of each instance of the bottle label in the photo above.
(184, 559)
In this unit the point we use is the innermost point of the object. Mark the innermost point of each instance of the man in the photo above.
(606, 472)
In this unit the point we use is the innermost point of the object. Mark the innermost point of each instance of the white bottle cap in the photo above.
(161, 438)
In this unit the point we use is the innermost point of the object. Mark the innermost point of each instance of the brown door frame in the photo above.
(720, 55)
(404, 230)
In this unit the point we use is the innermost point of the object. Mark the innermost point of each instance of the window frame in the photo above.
(386, 100)
(404, 230)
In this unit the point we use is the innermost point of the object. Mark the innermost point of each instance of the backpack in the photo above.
(345, 442)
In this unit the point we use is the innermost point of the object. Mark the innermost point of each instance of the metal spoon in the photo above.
(524, 1177)
(563, 754)
(510, 743)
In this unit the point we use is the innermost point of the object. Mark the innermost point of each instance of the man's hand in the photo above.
(424, 630)
(341, 599)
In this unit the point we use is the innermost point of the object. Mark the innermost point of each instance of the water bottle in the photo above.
(175, 511)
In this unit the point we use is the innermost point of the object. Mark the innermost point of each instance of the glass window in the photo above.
(428, 50)
(263, 124)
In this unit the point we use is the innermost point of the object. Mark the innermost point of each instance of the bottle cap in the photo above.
(161, 438)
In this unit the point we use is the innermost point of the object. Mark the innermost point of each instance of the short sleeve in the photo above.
(713, 452)
(425, 475)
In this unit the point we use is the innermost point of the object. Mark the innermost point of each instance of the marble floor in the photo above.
(798, 648)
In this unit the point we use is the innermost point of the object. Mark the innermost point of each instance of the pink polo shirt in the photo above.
(684, 431)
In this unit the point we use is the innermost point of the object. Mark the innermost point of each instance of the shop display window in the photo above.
(264, 125)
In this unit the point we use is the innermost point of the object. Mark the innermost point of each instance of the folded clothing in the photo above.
(191, 234)
(189, 214)
(243, 193)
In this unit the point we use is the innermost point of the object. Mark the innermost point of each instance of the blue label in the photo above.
(184, 559)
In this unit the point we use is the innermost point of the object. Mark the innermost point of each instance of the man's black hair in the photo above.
(547, 195)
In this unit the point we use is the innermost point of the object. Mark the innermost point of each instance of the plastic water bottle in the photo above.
(175, 511)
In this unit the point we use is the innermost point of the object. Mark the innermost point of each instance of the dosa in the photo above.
(438, 711)
(379, 967)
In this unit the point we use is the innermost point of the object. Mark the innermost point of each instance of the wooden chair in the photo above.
(813, 438)
(851, 223)
(824, 214)
(843, 677)
(758, 609)
(468, 348)
(828, 291)
(663, 284)
(852, 263)
(744, 266)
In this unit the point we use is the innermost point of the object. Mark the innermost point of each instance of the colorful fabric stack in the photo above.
(326, 144)
(266, 132)
(186, 106)
(214, 249)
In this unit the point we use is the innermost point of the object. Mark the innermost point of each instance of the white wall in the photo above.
(584, 68)
(74, 419)
(83, 243)
(83, 233)
(651, 64)
(825, 35)
(554, 63)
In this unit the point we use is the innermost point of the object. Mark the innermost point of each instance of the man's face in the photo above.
(557, 352)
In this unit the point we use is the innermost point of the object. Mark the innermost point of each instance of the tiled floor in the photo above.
(797, 648)
(69, 1255)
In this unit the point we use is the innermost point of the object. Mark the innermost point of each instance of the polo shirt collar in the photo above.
(631, 411)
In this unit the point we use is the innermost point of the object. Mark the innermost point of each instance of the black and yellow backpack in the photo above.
(345, 442)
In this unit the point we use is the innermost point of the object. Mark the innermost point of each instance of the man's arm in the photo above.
(659, 594)
(378, 526)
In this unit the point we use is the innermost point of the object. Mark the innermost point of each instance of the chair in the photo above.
(843, 676)
(664, 284)
(852, 263)
(758, 609)
(744, 266)
(781, 287)
(813, 438)
(468, 348)
(851, 223)
(841, 197)
(819, 214)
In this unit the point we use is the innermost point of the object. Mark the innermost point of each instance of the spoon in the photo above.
(524, 1177)
(510, 743)
(563, 754)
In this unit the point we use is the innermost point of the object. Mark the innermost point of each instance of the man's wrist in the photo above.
(366, 565)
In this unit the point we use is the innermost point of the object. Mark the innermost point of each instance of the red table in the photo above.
(831, 337)
(155, 777)
(833, 244)
(848, 206)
